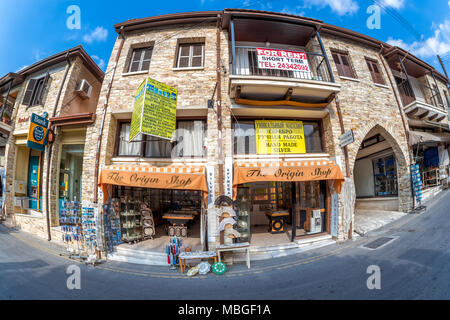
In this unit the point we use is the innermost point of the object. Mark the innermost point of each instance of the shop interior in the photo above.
(266, 215)
(427, 156)
(149, 217)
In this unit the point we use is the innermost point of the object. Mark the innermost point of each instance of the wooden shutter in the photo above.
(338, 63)
(375, 72)
(40, 94)
(343, 64)
(29, 92)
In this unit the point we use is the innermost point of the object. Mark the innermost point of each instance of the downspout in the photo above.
(411, 160)
(219, 107)
(50, 148)
(105, 107)
(341, 124)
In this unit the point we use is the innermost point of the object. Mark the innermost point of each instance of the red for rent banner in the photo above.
(282, 60)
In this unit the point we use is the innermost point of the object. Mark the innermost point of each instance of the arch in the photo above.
(394, 134)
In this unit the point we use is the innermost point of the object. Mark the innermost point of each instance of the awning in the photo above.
(288, 171)
(144, 176)
(417, 136)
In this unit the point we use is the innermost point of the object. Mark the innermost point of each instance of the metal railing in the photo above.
(247, 64)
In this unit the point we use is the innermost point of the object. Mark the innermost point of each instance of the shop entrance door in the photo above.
(309, 214)
(33, 182)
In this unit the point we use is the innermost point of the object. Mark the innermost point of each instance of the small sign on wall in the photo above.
(210, 181)
(334, 214)
(229, 177)
(346, 138)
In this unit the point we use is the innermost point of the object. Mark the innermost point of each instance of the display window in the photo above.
(385, 176)
(278, 212)
(158, 214)
(189, 142)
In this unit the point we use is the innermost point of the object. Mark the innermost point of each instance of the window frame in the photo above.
(341, 65)
(141, 59)
(142, 153)
(253, 118)
(191, 55)
(377, 77)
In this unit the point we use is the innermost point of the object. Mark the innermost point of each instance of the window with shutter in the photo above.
(190, 55)
(29, 92)
(140, 60)
(375, 72)
(343, 64)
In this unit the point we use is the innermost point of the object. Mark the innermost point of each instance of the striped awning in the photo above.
(288, 171)
(156, 177)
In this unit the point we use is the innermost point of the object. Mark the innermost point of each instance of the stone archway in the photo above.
(393, 141)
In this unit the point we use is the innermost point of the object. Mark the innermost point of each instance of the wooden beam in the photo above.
(280, 102)
(433, 117)
(423, 115)
(440, 119)
(410, 113)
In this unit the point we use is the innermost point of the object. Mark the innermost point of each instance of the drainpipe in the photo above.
(105, 107)
(219, 106)
(50, 148)
(411, 160)
(341, 124)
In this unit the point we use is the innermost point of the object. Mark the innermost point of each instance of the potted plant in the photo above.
(6, 116)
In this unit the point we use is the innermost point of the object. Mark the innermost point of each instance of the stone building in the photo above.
(263, 99)
(63, 88)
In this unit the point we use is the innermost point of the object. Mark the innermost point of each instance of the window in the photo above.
(35, 91)
(140, 59)
(244, 138)
(342, 61)
(189, 142)
(190, 55)
(375, 71)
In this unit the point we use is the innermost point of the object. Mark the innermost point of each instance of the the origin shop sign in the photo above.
(282, 60)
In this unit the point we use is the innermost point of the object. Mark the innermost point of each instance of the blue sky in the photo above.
(33, 30)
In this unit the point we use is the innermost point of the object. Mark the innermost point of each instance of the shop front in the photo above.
(281, 201)
(152, 204)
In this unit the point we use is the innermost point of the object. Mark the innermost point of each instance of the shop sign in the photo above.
(282, 60)
(279, 137)
(229, 177)
(154, 112)
(334, 214)
(210, 180)
(37, 132)
(346, 138)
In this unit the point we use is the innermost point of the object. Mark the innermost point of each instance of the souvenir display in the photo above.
(417, 182)
(70, 221)
(193, 271)
(148, 224)
(90, 232)
(173, 250)
(130, 216)
(111, 222)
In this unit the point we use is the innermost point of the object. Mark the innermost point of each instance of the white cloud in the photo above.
(439, 43)
(397, 4)
(341, 7)
(295, 11)
(100, 62)
(99, 34)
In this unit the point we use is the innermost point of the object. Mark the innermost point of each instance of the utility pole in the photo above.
(442, 65)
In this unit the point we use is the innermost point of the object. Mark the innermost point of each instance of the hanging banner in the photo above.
(282, 60)
(154, 112)
(279, 137)
(334, 215)
(37, 133)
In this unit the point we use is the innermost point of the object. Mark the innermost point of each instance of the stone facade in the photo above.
(37, 223)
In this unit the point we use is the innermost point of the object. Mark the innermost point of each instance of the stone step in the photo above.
(138, 256)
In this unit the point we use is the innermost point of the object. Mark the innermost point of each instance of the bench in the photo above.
(235, 247)
(183, 256)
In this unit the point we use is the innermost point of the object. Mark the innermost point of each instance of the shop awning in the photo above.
(144, 176)
(288, 171)
(418, 136)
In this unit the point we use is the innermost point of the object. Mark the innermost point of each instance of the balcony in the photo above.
(421, 102)
(6, 112)
(290, 68)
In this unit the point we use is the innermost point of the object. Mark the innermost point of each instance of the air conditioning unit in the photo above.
(84, 89)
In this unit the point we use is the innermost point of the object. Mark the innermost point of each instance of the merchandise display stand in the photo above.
(417, 186)
(90, 233)
(131, 220)
(111, 222)
(173, 250)
(70, 221)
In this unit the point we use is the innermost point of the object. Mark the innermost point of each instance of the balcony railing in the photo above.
(246, 64)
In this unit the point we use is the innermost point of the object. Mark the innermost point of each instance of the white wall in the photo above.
(363, 176)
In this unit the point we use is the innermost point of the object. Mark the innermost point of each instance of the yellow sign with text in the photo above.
(279, 137)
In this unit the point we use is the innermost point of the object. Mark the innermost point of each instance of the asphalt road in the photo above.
(416, 265)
